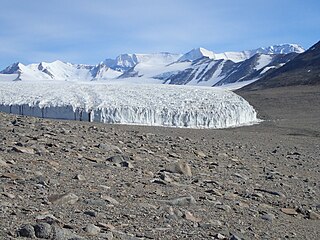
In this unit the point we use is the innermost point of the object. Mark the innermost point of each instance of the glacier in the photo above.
(125, 103)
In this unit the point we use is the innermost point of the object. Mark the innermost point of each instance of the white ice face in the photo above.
(123, 103)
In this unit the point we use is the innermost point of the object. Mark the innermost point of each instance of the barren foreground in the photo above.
(77, 180)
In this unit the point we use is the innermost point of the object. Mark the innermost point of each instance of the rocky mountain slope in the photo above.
(302, 70)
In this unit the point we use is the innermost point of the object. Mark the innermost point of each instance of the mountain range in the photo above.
(197, 67)
(302, 70)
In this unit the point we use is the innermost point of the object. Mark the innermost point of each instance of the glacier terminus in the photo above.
(123, 103)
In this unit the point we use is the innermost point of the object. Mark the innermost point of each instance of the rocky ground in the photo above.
(77, 180)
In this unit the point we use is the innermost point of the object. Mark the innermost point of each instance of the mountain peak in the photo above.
(197, 53)
(13, 68)
(280, 49)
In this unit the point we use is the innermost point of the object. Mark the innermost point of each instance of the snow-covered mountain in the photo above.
(208, 72)
(58, 70)
(302, 70)
(206, 68)
(196, 67)
(126, 61)
(197, 53)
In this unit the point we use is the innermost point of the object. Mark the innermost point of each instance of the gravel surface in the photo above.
(77, 180)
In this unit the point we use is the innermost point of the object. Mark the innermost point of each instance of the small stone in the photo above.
(43, 230)
(3, 164)
(107, 236)
(313, 216)
(91, 213)
(6, 204)
(95, 160)
(96, 202)
(108, 147)
(189, 216)
(224, 207)
(222, 155)
(126, 164)
(92, 229)
(182, 201)
(220, 236)
(238, 175)
(235, 237)
(61, 234)
(268, 217)
(173, 155)
(165, 177)
(23, 150)
(118, 159)
(62, 199)
(200, 154)
(80, 177)
(180, 167)
(106, 226)
(289, 211)
(9, 195)
(27, 231)
(110, 199)
(158, 181)
(12, 176)
(214, 192)
(47, 218)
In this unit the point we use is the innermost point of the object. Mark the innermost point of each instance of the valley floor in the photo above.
(74, 180)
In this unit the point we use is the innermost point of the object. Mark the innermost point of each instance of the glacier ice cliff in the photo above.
(123, 103)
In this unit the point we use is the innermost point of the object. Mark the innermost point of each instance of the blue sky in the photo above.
(89, 31)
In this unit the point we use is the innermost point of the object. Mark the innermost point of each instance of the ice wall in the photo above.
(153, 105)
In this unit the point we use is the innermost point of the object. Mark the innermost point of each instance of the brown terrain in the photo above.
(77, 180)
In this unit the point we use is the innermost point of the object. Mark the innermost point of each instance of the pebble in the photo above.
(108, 147)
(313, 215)
(8, 195)
(110, 199)
(62, 199)
(126, 164)
(91, 213)
(27, 231)
(182, 201)
(238, 175)
(180, 167)
(189, 216)
(62, 234)
(268, 216)
(92, 229)
(289, 211)
(219, 236)
(235, 237)
(214, 192)
(43, 230)
(80, 177)
(200, 154)
(3, 164)
(23, 150)
(47, 218)
(118, 159)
